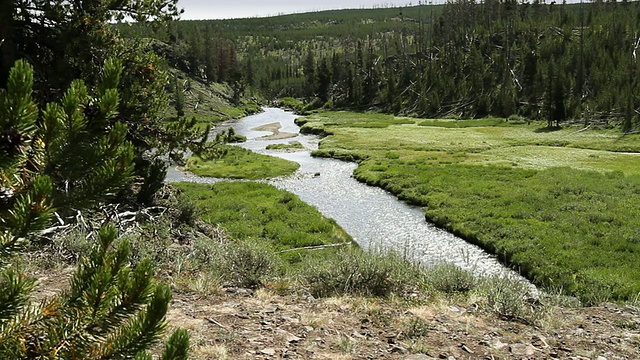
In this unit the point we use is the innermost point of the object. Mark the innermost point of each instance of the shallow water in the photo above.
(373, 217)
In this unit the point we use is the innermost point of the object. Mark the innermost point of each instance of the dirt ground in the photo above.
(240, 324)
(246, 324)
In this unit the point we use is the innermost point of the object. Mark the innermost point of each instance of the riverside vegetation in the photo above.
(237, 163)
(379, 303)
(556, 205)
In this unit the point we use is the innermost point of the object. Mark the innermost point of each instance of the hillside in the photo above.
(207, 102)
(554, 62)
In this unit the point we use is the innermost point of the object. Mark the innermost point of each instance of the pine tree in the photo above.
(111, 310)
(179, 96)
(66, 41)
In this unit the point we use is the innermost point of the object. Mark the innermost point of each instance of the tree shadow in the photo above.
(548, 129)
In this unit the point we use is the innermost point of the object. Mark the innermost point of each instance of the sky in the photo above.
(228, 9)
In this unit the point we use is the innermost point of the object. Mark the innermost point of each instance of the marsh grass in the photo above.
(264, 213)
(465, 123)
(559, 206)
(292, 145)
(239, 163)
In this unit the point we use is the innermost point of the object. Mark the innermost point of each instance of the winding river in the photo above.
(373, 217)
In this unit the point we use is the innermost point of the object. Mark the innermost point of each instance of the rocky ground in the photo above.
(245, 324)
(241, 324)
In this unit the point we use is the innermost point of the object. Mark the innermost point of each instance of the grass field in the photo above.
(252, 211)
(560, 206)
(239, 163)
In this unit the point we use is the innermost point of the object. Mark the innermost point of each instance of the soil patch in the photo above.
(275, 129)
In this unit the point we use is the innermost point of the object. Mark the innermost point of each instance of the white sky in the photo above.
(227, 9)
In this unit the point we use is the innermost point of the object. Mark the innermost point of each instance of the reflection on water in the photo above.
(373, 217)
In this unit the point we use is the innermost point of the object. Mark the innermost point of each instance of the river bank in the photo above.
(235, 306)
(372, 216)
(556, 205)
(235, 309)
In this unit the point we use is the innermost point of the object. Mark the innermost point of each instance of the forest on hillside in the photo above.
(466, 59)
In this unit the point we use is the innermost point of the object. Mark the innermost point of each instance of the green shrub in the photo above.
(111, 310)
(449, 278)
(188, 211)
(353, 271)
(415, 328)
(510, 299)
(247, 264)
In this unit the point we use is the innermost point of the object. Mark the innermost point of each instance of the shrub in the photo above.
(247, 264)
(188, 211)
(352, 271)
(154, 174)
(111, 310)
(511, 299)
(449, 278)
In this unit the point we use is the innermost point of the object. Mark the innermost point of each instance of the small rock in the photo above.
(499, 345)
(419, 357)
(522, 350)
(601, 358)
(293, 339)
(456, 310)
(269, 351)
(358, 335)
(239, 291)
(398, 350)
(308, 328)
(540, 341)
(466, 348)
(271, 311)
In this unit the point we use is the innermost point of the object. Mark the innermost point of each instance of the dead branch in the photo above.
(318, 247)
(581, 130)
(54, 229)
(215, 323)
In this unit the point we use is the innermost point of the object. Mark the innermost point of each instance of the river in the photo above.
(373, 217)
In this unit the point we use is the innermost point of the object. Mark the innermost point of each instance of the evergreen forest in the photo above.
(557, 62)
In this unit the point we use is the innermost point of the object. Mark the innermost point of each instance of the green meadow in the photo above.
(561, 206)
(240, 163)
(257, 212)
